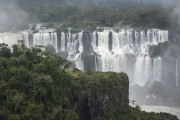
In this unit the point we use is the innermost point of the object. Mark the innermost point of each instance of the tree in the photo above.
(5, 51)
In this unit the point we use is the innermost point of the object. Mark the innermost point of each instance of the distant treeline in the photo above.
(62, 16)
(76, 17)
(101, 3)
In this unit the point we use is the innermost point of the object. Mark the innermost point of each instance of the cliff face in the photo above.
(88, 57)
(40, 88)
(101, 93)
(103, 96)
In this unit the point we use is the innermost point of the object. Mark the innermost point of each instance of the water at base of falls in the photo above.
(162, 109)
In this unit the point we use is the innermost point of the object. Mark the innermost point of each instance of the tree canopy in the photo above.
(38, 85)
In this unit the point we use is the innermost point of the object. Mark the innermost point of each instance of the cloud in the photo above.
(11, 14)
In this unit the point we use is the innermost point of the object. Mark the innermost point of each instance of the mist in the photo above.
(11, 15)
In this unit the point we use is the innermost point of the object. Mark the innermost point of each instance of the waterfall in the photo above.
(25, 35)
(143, 69)
(114, 63)
(42, 37)
(157, 68)
(147, 70)
(123, 50)
(63, 41)
(79, 62)
(177, 72)
(45, 37)
(10, 38)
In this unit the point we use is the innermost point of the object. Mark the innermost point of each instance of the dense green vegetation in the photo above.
(79, 18)
(37, 85)
(103, 3)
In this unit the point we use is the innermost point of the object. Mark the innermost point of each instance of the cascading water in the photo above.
(74, 48)
(63, 42)
(143, 69)
(39, 37)
(25, 35)
(10, 38)
(123, 50)
(147, 70)
(45, 37)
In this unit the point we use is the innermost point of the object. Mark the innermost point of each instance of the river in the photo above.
(158, 109)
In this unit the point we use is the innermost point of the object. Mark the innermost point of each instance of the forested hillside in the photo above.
(89, 14)
(72, 16)
(37, 85)
(103, 3)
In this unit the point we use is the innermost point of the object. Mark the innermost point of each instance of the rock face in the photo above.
(102, 92)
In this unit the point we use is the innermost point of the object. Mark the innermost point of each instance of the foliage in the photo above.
(37, 85)
(64, 16)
